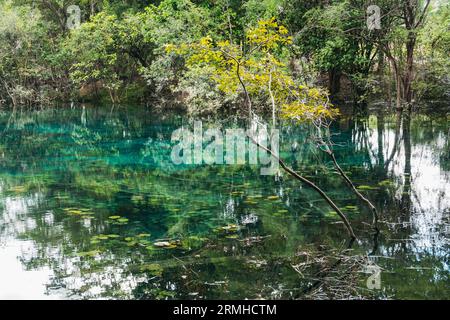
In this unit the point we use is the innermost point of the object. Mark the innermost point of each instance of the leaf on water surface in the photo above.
(60, 197)
(137, 198)
(143, 235)
(331, 214)
(273, 197)
(351, 209)
(165, 244)
(75, 212)
(91, 254)
(162, 244)
(229, 228)
(364, 187)
(101, 237)
(118, 219)
(18, 189)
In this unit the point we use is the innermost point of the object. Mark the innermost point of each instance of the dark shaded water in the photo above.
(86, 194)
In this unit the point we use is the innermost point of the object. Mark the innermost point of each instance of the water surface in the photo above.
(86, 193)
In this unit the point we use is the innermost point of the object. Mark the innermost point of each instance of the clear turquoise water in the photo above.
(86, 194)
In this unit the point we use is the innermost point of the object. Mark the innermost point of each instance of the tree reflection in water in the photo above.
(85, 195)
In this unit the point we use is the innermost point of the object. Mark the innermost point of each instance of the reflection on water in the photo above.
(92, 207)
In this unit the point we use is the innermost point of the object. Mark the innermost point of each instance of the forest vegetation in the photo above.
(92, 91)
(119, 51)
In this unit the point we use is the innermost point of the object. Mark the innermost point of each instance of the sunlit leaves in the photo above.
(260, 69)
(268, 35)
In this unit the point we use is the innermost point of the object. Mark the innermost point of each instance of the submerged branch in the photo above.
(283, 165)
(354, 189)
(329, 151)
(311, 185)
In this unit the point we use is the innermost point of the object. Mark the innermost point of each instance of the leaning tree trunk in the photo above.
(311, 185)
(291, 171)
(326, 142)
(372, 208)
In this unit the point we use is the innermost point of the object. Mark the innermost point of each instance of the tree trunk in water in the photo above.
(355, 190)
(406, 194)
(311, 185)
(334, 81)
(380, 129)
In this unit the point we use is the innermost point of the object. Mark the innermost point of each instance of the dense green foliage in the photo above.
(118, 52)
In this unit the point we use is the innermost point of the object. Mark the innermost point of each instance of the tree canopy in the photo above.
(118, 52)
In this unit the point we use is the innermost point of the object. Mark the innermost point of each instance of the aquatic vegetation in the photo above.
(365, 187)
(80, 212)
(193, 242)
(61, 197)
(143, 235)
(171, 244)
(238, 245)
(103, 237)
(137, 240)
(103, 189)
(152, 268)
(351, 209)
(331, 215)
(118, 220)
(137, 198)
(18, 189)
(91, 254)
(230, 228)
(386, 183)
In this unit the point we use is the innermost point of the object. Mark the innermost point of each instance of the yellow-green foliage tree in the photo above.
(258, 70)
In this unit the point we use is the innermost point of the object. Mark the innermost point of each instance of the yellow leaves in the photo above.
(227, 82)
(314, 93)
(206, 42)
(269, 35)
(311, 104)
(260, 69)
(170, 47)
(223, 44)
(282, 30)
